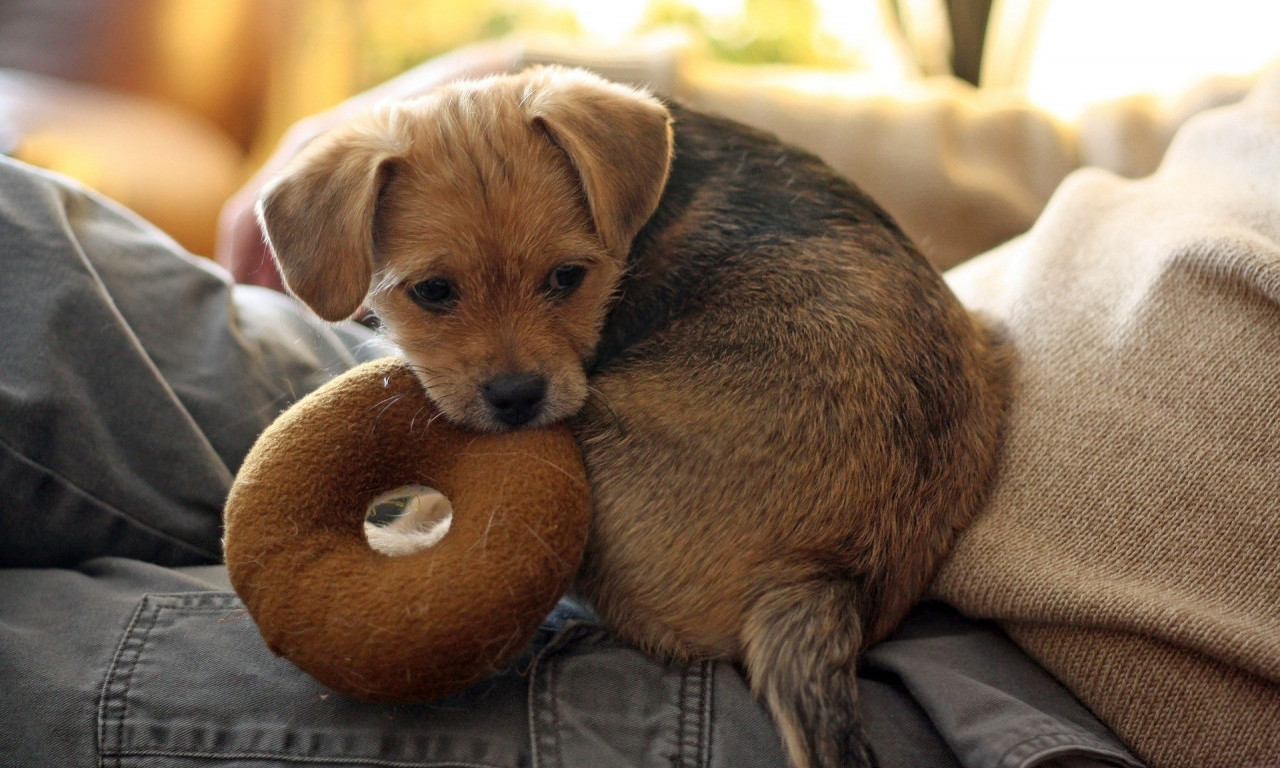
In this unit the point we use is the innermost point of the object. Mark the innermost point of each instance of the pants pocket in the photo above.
(192, 681)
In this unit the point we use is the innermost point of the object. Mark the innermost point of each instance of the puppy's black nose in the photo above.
(515, 398)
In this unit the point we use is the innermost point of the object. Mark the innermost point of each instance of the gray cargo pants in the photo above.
(133, 379)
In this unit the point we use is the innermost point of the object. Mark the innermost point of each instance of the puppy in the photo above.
(785, 415)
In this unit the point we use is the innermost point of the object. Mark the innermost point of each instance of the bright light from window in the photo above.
(617, 18)
(610, 19)
(860, 26)
(1090, 50)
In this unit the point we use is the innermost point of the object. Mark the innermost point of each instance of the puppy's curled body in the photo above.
(785, 414)
(794, 418)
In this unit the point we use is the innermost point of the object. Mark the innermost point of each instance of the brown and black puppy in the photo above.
(785, 414)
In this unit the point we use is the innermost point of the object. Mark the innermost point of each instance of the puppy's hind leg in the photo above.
(802, 642)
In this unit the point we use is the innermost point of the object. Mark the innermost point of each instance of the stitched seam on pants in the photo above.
(313, 760)
(127, 679)
(1049, 744)
(681, 716)
(691, 733)
(115, 686)
(553, 682)
(704, 726)
(543, 706)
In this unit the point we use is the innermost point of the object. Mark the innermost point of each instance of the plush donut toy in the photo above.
(423, 625)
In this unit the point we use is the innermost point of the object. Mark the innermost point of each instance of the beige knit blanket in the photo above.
(1132, 544)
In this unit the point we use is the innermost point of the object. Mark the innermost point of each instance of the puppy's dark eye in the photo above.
(436, 294)
(564, 280)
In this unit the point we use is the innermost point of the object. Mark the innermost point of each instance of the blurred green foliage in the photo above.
(396, 34)
(765, 32)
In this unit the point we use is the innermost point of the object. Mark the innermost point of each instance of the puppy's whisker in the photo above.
(428, 376)
(384, 405)
(435, 413)
(423, 370)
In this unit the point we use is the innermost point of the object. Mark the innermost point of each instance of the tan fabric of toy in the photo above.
(423, 625)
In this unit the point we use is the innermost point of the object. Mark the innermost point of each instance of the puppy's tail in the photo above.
(802, 643)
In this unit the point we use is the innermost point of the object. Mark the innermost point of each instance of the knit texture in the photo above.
(1132, 542)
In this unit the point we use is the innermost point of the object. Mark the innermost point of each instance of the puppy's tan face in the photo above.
(492, 279)
(486, 223)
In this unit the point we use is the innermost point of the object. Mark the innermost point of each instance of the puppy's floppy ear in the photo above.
(318, 215)
(618, 139)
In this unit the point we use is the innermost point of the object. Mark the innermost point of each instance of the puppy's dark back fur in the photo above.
(739, 197)
(852, 429)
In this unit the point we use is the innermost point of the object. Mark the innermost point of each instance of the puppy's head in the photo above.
(487, 224)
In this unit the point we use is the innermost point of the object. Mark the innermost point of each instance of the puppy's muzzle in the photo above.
(515, 398)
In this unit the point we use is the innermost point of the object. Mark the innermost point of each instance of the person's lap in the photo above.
(133, 378)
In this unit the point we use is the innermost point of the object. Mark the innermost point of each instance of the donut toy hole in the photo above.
(407, 520)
